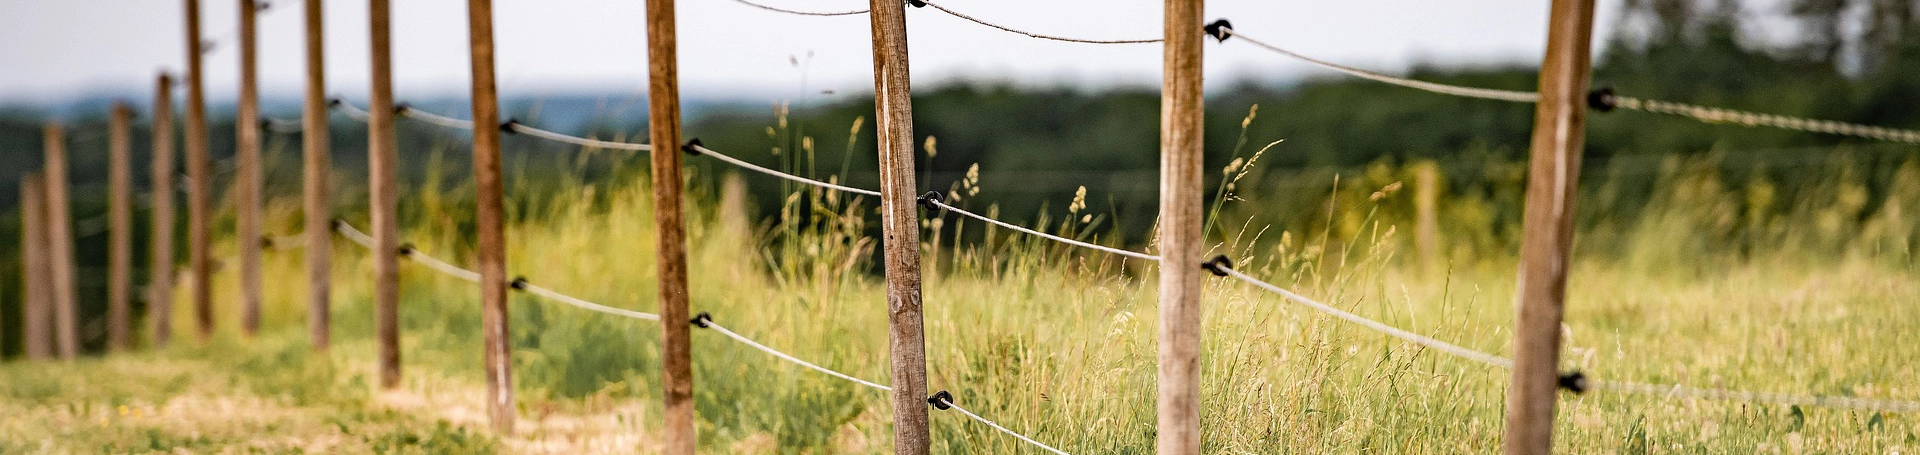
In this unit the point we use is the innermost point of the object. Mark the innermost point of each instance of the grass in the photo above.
(1053, 343)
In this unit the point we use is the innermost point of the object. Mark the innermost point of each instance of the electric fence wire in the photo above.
(1410, 337)
(1515, 96)
(795, 178)
(708, 323)
(799, 12)
(944, 206)
(464, 274)
(946, 400)
(1716, 115)
(1703, 114)
(1629, 387)
(429, 117)
(1036, 35)
(518, 127)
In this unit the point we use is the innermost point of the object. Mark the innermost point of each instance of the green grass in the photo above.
(1054, 343)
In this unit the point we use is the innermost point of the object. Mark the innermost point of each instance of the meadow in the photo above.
(1708, 271)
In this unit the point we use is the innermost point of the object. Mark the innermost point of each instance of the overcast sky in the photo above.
(58, 50)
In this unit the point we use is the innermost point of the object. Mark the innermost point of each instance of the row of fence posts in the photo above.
(47, 235)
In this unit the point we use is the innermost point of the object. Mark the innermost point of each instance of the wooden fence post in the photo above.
(36, 333)
(248, 180)
(492, 229)
(120, 230)
(1180, 229)
(199, 179)
(900, 226)
(59, 218)
(318, 151)
(1559, 130)
(663, 114)
(1426, 207)
(160, 239)
(382, 159)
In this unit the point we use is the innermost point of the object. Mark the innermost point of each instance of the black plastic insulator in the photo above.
(1602, 99)
(506, 127)
(405, 250)
(916, 3)
(1218, 265)
(941, 400)
(335, 102)
(519, 283)
(1573, 381)
(702, 320)
(1219, 29)
(338, 223)
(692, 147)
(402, 108)
(927, 199)
(266, 242)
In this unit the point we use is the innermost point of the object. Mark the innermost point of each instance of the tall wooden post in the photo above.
(36, 333)
(1180, 233)
(900, 226)
(199, 180)
(1559, 130)
(318, 152)
(1426, 207)
(160, 241)
(382, 159)
(59, 218)
(663, 114)
(120, 228)
(492, 251)
(248, 180)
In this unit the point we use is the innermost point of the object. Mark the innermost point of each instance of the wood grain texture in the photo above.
(60, 264)
(36, 314)
(248, 180)
(199, 179)
(900, 226)
(663, 113)
(119, 227)
(1559, 130)
(1181, 112)
(489, 195)
(160, 228)
(383, 158)
(317, 167)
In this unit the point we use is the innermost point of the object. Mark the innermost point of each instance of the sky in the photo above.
(63, 50)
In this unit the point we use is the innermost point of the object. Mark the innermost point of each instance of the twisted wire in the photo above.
(783, 175)
(436, 119)
(352, 111)
(582, 304)
(799, 12)
(443, 267)
(1036, 35)
(517, 127)
(1378, 326)
(1131, 254)
(996, 426)
(795, 360)
(354, 235)
(1515, 96)
(1754, 119)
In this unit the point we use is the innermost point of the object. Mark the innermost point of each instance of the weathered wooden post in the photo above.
(120, 228)
(199, 180)
(663, 114)
(248, 181)
(36, 332)
(492, 252)
(59, 222)
(160, 241)
(1180, 233)
(900, 226)
(317, 150)
(1559, 130)
(1426, 208)
(382, 158)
